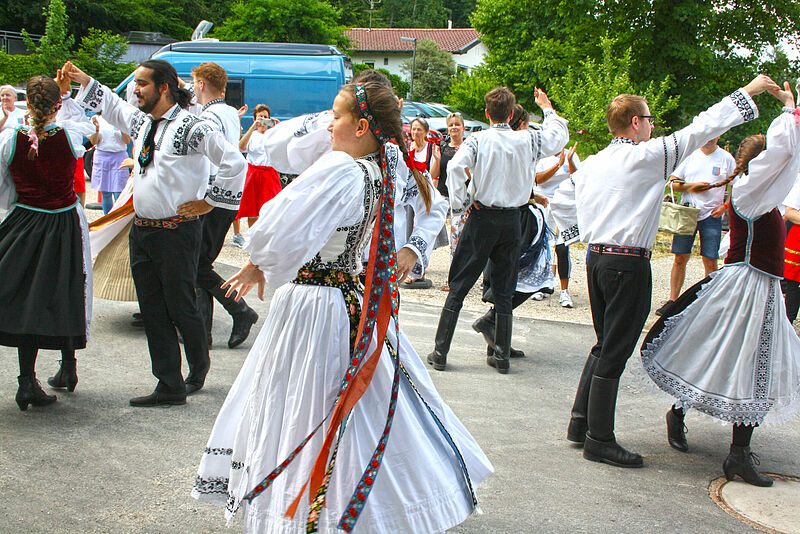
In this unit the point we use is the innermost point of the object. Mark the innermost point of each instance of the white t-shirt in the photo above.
(110, 138)
(549, 187)
(712, 168)
(15, 118)
(256, 151)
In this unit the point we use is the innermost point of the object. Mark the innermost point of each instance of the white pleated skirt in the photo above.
(286, 387)
(726, 349)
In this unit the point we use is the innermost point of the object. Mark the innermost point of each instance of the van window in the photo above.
(234, 92)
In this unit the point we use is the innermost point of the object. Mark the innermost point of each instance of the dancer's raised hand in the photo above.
(784, 95)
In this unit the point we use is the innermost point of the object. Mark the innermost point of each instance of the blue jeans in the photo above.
(109, 197)
(710, 230)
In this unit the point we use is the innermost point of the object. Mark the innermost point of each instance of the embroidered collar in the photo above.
(215, 101)
(374, 157)
(623, 141)
(170, 115)
(501, 126)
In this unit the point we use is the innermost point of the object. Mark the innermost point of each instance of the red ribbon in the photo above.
(796, 114)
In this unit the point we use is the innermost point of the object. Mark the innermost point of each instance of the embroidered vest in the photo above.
(46, 182)
(758, 243)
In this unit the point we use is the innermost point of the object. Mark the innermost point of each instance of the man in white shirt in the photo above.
(171, 150)
(219, 207)
(500, 161)
(618, 194)
(695, 177)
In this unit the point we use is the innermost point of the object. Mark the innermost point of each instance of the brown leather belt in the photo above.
(170, 223)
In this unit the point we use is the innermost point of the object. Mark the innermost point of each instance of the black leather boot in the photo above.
(67, 375)
(444, 336)
(600, 444)
(485, 325)
(741, 462)
(499, 359)
(244, 317)
(31, 392)
(576, 431)
(676, 431)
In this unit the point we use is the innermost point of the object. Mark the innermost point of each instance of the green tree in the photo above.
(55, 45)
(467, 91)
(299, 21)
(413, 14)
(696, 44)
(433, 71)
(15, 69)
(585, 92)
(99, 55)
(399, 86)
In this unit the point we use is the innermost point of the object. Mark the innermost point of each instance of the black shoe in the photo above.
(676, 432)
(610, 452)
(578, 424)
(740, 462)
(663, 309)
(30, 392)
(242, 323)
(422, 283)
(600, 444)
(196, 380)
(159, 398)
(66, 377)
(138, 320)
(513, 354)
(502, 347)
(444, 336)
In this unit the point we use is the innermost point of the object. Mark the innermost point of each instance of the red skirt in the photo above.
(260, 186)
(80, 179)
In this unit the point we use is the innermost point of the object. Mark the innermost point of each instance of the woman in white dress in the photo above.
(726, 348)
(305, 395)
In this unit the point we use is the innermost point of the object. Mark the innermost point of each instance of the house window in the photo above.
(386, 61)
(370, 64)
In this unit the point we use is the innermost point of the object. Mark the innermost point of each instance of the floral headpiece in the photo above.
(363, 108)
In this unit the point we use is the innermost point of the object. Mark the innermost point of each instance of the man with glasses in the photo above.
(618, 194)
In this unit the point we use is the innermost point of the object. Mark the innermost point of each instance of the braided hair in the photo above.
(749, 148)
(44, 98)
(386, 111)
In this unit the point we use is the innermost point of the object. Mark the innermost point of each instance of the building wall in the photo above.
(391, 61)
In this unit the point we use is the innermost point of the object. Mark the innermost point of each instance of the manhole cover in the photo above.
(775, 509)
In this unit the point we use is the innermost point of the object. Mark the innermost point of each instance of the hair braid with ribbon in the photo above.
(44, 99)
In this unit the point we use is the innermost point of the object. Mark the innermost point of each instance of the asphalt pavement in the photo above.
(91, 463)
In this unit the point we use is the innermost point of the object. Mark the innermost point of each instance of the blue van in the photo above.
(291, 78)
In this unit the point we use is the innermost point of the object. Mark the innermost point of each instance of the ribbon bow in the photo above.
(796, 114)
(412, 163)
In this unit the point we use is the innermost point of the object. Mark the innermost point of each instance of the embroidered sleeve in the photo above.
(671, 155)
(744, 104)
(117, 112)
(225, 188)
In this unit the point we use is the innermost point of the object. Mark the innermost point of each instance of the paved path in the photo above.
(91, 463)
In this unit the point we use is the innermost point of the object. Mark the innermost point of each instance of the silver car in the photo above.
(470, 124)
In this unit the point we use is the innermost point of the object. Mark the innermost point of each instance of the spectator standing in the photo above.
(11, 116)
(701, 178)
(262, 182)
(110, 150)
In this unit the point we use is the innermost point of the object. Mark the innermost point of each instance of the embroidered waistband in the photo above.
(620, 251)
(170, 223)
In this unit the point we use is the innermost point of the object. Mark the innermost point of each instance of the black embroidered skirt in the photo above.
(44, 280)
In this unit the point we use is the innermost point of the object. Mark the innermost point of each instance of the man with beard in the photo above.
(170, 147)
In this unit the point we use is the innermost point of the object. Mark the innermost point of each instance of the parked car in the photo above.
(291, 78)
(436, 115)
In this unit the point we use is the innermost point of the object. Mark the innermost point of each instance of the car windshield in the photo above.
(448, 110)
(414, 109)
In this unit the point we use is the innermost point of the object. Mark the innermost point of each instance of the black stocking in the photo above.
(27, 360)
(742, 435)
(68, 355)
